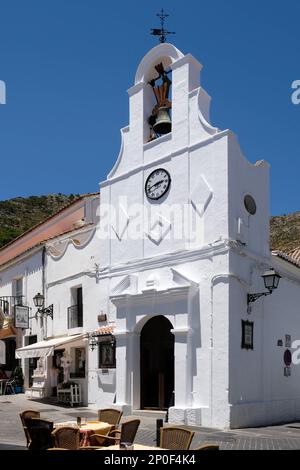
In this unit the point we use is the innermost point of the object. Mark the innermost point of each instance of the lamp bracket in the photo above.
(48, 311)
(44, 312)
(251, 298)
(254, 297)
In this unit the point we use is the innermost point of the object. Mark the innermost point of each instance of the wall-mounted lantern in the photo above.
(39, 301)
(271, 281)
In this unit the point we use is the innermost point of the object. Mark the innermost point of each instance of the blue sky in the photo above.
(68, 63)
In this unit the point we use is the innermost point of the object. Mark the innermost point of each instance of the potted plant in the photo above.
(19, 379)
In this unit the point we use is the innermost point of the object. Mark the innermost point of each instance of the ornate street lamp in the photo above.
(271, 282)
(39, 301)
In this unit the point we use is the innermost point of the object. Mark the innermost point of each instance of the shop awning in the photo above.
(46, 348)
(8, 332)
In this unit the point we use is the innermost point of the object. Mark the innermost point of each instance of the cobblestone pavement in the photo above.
(281, 437)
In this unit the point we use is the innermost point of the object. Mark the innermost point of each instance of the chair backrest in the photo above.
(110, 416)
(28, 414)
(40, 433)
(129, 430)
(174, 438)
(67, 437)
(208, 447)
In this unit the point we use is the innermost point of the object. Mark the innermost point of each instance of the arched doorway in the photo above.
(157, 364)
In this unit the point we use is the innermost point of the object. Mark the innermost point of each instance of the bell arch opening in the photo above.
(158, 100)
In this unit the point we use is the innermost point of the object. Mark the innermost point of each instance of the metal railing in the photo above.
(8, 302)
(75, 316)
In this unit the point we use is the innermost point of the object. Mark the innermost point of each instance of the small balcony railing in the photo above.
(75, 316)
(7, 304)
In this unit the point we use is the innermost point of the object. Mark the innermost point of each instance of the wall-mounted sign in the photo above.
(21, 316)
(288, 341)
(247, 335)
(280, 343)
(107, 355)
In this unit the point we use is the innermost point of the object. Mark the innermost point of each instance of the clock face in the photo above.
(157, 184)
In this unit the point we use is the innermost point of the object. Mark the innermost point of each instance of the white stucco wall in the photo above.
(259, 391)
(76, 268)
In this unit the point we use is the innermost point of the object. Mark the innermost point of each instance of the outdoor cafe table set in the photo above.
(100, 427)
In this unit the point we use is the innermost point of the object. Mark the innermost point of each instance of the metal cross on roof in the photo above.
(161, 32)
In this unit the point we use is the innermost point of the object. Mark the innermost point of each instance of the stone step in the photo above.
(155, 414)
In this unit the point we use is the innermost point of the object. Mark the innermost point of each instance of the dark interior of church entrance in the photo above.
(157, 364)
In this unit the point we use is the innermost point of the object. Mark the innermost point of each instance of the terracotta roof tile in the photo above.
(295, 254)
(292, 257)
(104, 330)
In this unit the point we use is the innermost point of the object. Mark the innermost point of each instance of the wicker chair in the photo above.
(28, 414)
(207, 447)
(172, 438)
(39, 433)
(67, 437)
(126, 434)
(110, 416)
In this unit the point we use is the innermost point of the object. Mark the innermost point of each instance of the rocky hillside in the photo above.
(285, 232)
(19, 214)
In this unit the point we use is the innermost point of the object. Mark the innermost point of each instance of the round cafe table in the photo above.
(135, 447)
(86, 430)
(93, 427)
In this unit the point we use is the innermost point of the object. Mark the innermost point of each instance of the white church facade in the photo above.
(194, 286)
(181, 242)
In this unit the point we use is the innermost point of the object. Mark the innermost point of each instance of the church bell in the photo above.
(163, 124)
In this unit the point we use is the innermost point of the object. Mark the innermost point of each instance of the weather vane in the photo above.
(161, 32)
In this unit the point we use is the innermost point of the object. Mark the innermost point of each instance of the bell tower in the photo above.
(169, 129)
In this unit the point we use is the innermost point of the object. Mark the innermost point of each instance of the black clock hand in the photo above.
(155, 185)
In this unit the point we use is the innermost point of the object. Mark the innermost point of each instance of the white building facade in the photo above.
(178, 291)
(182, 239)
(57, 259)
